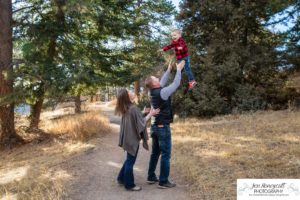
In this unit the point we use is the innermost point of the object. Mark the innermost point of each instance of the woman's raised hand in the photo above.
(146, 110)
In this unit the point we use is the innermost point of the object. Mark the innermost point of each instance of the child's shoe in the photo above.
(192, 84)
(189, 87)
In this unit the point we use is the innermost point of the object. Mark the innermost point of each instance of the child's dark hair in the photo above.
(123, 102)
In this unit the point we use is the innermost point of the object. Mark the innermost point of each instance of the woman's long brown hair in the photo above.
(123, 102)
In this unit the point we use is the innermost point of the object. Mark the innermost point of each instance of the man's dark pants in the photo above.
(161, 145)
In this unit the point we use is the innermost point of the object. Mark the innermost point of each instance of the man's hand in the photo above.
(180, 65)
(154, 111)
(179, 48)
(160, 50)
(171, 63)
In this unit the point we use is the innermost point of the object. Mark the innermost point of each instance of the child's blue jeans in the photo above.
(187, 67)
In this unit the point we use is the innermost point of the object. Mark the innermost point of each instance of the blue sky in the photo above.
(176, 3)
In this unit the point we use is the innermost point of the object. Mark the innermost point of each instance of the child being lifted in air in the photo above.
(181, 52)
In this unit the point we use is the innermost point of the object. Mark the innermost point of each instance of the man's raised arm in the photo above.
(165, 77)
(166, 92)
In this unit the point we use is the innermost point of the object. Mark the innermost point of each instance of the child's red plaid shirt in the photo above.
(180, 53)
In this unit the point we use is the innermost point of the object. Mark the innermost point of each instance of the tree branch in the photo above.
(289, 15)
(20, 9)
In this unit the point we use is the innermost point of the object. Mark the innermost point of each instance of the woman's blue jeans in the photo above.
(126, 173)
(161, 145)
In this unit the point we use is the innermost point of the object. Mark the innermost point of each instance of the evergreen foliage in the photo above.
(76, 47)
(234, 56)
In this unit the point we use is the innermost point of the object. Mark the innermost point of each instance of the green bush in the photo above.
(246, 98)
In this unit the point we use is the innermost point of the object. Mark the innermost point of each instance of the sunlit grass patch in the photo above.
(79, 127)
(39, 169)
(34, 171)
(212, 154)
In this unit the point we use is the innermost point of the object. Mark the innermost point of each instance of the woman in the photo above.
(132, 130)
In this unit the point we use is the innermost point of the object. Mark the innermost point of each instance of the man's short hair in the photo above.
(176, 30)
(148, 82)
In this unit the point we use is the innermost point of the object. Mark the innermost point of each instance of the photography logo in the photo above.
(268, 189)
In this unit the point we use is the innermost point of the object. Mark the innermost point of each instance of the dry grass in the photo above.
(112, 103)
(39, 170)
(79, 127)
(214, 153)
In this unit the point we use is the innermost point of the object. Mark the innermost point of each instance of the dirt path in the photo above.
(97, 169)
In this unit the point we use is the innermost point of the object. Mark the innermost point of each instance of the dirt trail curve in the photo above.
(96, 173)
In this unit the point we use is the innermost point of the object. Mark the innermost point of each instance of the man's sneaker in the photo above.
(152, 180)
(166, 185)
(135, 188)
(191, 85)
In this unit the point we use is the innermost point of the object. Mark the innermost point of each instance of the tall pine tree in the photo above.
(233, 56)
(8, 134)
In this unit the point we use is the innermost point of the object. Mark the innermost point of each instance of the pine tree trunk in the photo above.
(137, 88)
(243, 60)
(77, 104)
(8, 135)
(36, 110)
(137, 82)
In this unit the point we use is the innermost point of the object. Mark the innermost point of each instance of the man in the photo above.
(160, 97)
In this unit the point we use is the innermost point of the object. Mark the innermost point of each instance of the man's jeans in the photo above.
(161, 144)
(187, 68)
(126, 173)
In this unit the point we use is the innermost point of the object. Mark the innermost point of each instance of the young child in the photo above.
(181, 52)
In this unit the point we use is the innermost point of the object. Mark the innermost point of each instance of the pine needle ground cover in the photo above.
(213, 154)
(39, 170)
